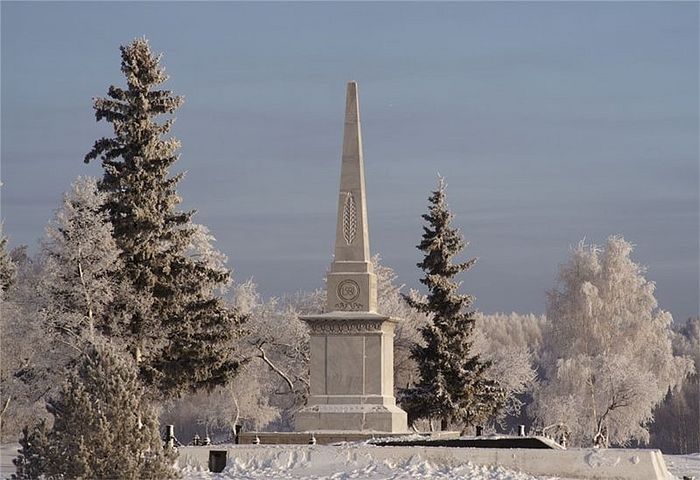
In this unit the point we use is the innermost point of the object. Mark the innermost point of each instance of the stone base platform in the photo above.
(367, 417)
(329, 437)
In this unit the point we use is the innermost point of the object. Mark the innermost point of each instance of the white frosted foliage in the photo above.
(80, 256)
(510, 344)
(607, 357)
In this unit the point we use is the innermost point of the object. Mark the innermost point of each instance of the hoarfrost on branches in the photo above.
(607, 356)
(59, 300)
(24, 375)
(81, 258)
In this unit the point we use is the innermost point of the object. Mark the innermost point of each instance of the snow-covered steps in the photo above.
(632, 464)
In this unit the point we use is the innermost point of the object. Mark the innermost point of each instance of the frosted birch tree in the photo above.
(511, 344)
(608, 359)
(272, 382)
(59, 300)
(27, 375)
(80, 263)
(277, 345)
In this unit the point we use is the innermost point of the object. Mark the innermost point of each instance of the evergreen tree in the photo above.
(179, 329)
(31, 462)
(102, 426)
(453, 386)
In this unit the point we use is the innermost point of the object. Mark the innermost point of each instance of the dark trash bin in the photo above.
(217, 460)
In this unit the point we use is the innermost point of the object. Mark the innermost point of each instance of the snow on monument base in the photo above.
(359, 418)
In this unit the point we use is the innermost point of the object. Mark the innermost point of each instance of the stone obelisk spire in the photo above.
(352, 285)
(351, 365)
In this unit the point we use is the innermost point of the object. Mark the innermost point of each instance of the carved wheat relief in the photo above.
(349, 218)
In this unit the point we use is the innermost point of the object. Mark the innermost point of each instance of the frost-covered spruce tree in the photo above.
(453, 385)
(102, 426)
(608, 359)
(177, 326)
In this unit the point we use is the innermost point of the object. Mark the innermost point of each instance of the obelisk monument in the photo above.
(352, 346)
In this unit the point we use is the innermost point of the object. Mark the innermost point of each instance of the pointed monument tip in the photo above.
(352, 89)
(352, 107)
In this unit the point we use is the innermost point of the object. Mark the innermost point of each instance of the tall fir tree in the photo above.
(102, 426)
(453, 386)
(182, 333)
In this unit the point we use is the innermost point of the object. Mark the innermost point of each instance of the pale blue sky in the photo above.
(551, 121)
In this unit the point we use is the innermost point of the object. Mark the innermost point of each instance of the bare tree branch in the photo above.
(272, 366)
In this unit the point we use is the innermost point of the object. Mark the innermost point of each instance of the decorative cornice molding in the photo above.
(347, 327)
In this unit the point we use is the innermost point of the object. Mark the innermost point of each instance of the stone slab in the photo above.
(495, 441)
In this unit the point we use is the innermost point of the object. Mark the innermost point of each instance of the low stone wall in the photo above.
(629, 464)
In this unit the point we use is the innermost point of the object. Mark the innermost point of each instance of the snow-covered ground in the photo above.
(336, 469)
(680, 465)
(339, 469)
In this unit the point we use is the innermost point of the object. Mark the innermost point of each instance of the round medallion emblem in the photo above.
(348, 290)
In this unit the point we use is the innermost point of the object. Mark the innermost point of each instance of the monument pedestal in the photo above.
(352, 374)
